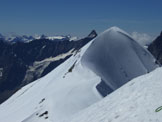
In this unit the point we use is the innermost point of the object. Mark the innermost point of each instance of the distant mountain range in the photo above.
(24, 59)
(12, 38)
(110, 79)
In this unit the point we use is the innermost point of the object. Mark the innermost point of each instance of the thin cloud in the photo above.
(142, 38)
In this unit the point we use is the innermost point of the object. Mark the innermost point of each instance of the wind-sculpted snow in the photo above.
(63, 92)
(71, 87)
(137, 101)
(117, 58)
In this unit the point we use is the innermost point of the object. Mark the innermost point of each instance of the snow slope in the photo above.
(39, 66)
(117, 58)
(71, 87)
(137, 101)
(63, 92)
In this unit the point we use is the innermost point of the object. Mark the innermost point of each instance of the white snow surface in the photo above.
(55, 37)
(50, 37)
(38, 67)
(136, 101)
(68, 93)
(65, 92)
(117, 58)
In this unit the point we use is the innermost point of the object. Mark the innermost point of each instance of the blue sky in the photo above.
(79, 17)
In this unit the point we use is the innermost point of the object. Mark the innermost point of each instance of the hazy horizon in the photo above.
(78, 18)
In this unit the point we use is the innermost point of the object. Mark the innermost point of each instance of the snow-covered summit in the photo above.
(63, 92)
(92, 34)
(116, 29)
(117, 58)
(112, 57)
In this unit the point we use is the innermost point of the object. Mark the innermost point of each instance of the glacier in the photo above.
(68, 92)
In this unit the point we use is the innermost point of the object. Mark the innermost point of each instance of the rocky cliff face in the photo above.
(156, 48)
(22, 63)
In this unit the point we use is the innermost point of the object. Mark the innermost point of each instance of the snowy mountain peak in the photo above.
(112, 57)
(116, 29)
(92, 34)
(117, 58)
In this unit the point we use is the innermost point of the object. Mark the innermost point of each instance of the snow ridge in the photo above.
(117, 58)
(69, 93)
(137, 101)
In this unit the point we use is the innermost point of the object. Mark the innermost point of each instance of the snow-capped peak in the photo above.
(117, 58)
(112, 57)
(92, 34)
(116, 29)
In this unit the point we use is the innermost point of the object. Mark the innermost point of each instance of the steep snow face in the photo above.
(60, 94)
(117, 58)
(71, 87)
(137, 101)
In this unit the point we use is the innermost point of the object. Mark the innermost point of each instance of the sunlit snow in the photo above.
(69, 93)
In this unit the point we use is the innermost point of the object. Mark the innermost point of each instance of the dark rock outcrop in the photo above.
(93, 34)
(156, 48)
